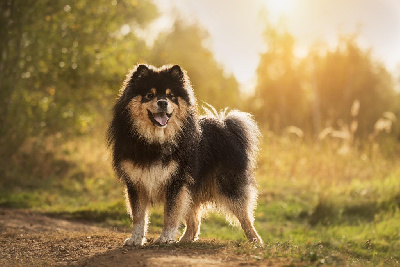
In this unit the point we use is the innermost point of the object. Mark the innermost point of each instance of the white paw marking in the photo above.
(167, 237)
(134, 241)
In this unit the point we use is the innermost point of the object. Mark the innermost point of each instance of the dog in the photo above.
(163, 151)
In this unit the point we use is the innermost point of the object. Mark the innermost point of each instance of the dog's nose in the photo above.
(162, 103)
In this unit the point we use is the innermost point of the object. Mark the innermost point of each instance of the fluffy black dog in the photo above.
(164, 152)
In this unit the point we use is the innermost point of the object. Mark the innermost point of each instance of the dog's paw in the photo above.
(258, 242)
(134, 241)
(186, 239)
(167, 236)
(165, 240)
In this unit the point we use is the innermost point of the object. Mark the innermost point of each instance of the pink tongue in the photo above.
(161, 118)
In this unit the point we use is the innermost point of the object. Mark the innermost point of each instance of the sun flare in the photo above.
(279, 7)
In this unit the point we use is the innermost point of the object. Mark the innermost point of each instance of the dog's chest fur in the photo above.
(153, 177)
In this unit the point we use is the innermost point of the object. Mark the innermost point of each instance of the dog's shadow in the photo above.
(177, 254)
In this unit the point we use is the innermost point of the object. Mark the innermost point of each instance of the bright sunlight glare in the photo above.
(279, 7)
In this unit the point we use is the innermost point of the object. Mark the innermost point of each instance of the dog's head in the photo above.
(158, 101)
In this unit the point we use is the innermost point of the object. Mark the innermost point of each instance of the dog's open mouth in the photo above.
(159, 119)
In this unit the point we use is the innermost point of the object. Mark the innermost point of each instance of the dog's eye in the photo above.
(170, 95)
(149, 96)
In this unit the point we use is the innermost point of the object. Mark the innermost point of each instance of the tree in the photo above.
(56, 57)
(279, 97)
(319, 90)
(345, 75)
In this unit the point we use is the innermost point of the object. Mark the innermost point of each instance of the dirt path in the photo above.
(33, 239)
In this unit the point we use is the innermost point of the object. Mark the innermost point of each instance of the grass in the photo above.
(315, 205)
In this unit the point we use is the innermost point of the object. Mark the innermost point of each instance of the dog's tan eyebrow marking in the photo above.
(168, 92)
(153, 90)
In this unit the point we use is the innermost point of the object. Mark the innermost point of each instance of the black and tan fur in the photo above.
(164, 152)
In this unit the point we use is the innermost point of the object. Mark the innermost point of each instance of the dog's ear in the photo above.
(140, 71)
(176, 72)
(132, 77)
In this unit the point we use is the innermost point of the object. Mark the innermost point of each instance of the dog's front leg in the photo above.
(138, 206)
(177, 201)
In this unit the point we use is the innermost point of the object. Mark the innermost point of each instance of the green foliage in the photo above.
(57, 58)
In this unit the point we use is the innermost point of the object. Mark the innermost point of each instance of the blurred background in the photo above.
(322, 79)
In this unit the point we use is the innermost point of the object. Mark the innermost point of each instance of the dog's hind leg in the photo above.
(138, 206)
(243, 209)
(193, 221)
(246, 221)
(176, 205)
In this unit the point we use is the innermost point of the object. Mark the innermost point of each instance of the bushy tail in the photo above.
(240, 124)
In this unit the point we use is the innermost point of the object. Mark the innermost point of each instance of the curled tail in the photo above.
(245, 128)
(242, 126)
